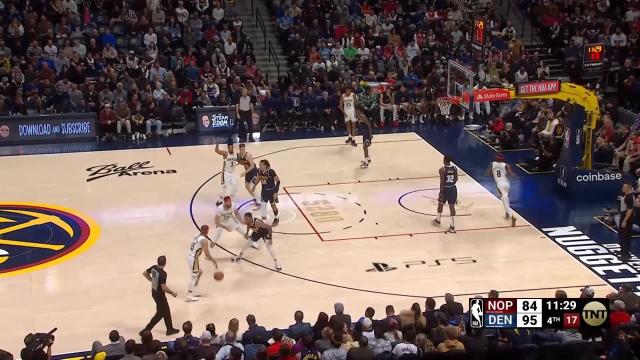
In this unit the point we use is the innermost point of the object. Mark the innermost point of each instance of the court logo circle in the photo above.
(36, 236)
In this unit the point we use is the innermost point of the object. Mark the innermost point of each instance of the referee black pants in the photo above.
(162, 311)
(624, 239)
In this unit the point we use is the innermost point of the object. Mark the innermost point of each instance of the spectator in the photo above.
(406, 346)
(340, 316)
(619, 315)
(114, 348)
(452, 342)
(391, 315)
(123, 118)
(254, 329)
(273, 350)
(108, 121)
(362, 351)
(229, 343)
(627, 295)
(234, 326)
(337, 351)
(393, 334)
(256, 346)
(129, 348)
(424, 344)
(324, 342)
(321, 323)
(305, 349)
(367, 329)
(192, 341)
(587, 293)
(205, 349)
(380, 344)
(299, 328)
(451, 308)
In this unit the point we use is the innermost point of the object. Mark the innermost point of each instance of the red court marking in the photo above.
(369, 181)
(424, 233)
(303, 214)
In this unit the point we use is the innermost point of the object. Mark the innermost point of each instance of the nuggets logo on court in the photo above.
(34, 236)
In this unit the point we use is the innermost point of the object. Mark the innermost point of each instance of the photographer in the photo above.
(35, 345)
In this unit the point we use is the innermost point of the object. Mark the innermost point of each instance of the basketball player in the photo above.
(250, 172)
(501, 174)
(227, 218)
(269, 193)
(448, 193)
(365, 131)
(198, 246)
(348, 108)
(228, 180)
(261, 233)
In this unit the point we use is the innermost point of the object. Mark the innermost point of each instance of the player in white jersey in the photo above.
(228, 179)
(198, 247)
(227, 219)
(501, 172)
(348, 108)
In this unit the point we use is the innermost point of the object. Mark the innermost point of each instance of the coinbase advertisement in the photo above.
(47, 128)
(214, 119)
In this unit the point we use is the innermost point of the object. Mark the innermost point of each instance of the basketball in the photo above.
(218, 275)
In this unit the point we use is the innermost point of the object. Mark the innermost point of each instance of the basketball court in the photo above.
(360, 236)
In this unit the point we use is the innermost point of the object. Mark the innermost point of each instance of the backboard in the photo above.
(460, 82)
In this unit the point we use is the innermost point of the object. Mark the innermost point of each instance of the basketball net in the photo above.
(445, 102)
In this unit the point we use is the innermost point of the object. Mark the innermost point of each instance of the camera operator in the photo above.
(4, 355)
(37, 346)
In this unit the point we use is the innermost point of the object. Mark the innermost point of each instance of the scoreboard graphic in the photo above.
(538, 313)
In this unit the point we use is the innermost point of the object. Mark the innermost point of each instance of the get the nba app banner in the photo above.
(34, 236)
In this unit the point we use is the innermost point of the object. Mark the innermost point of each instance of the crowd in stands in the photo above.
(408, 334)
(134, 62)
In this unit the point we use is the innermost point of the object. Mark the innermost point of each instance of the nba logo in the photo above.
(476, 307)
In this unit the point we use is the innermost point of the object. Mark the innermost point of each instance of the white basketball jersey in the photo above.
(226, 215)
(499, 170)
(196, 246)
(349, 102)
(230, 162)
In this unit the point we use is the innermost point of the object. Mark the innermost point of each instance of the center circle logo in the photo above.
(594, 313)
(36, 236)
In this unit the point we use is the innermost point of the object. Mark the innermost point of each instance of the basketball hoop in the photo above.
(445, 102)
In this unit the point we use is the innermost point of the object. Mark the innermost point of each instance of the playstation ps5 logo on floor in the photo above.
(385, 267)
(143, 168)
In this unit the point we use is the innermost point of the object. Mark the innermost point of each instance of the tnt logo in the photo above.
(477, 313)
(595, 313)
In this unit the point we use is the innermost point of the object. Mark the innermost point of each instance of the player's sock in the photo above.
(270, 250)
(439, 217)
(275, 214)
(507, 205)
(263, 210)
(192, 283)
(453, 222)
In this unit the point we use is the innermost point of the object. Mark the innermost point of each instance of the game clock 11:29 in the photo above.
(560, 305)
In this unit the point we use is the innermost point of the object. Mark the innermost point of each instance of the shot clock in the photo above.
(539, 313)
(593, 57)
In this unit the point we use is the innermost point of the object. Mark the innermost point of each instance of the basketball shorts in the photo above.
(229, 179)
(267, 196)
(503, 187)
(260, 234)
(251, 175)
(448, 195)
(350, 116)
(193, 262)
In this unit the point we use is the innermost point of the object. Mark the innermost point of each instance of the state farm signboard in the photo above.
(488, 95)
(538, 87)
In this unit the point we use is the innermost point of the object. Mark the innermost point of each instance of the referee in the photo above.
(626, 223)
(158, 278)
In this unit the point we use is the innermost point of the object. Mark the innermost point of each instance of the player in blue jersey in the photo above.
(448, 192)
(365, 130)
